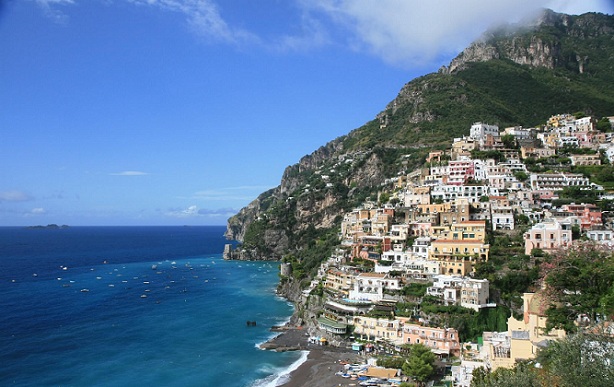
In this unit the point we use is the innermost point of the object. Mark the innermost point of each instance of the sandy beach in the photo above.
(320, 368)
(322, 362)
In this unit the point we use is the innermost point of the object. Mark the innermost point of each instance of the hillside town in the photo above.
(432, 229)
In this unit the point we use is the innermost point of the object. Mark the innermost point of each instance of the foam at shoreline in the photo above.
(282, 375)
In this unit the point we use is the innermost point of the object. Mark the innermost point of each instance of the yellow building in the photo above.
(458, 256)
(524, 337)
(340, 281)
(468, 230)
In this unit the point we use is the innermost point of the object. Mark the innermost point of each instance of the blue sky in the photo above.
(180, 112)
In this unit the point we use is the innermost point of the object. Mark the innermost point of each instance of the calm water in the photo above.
(126, 306)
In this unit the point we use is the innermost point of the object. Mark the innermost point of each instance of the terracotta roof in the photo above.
(372, 275)
(383, 373)
(459, 242)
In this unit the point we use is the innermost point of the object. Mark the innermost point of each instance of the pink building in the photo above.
(589, 214)
(460, 171)
(441, 341)
(548, 235)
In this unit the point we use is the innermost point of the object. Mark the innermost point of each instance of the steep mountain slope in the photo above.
(519, 76)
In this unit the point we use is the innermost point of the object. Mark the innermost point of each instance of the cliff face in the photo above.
(521, 75)
(312, 195)
(538, 43)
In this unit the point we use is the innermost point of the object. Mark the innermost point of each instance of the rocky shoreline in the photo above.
(290, 339)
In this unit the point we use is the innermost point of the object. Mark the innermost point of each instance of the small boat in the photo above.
(84, 290)
(143, 295)
(154, 267)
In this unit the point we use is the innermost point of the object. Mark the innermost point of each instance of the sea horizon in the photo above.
(119, 305)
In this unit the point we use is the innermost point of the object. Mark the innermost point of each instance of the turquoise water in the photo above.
(125, 306)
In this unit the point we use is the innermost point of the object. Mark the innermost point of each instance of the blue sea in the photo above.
(128, 306)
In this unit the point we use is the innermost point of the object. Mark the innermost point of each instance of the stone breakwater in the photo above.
(290, 339)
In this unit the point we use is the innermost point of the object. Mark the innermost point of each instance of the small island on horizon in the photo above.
(51, 226)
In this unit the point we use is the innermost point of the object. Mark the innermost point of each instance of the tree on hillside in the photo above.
(582, 359)
(522, 374)
(420, 364)
(579, 281)
(604, 125)
(509, 141)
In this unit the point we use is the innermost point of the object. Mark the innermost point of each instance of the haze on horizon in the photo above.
(173, 112)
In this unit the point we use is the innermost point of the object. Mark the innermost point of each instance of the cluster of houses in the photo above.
(435, 231)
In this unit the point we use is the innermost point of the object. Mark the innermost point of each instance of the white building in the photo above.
(466, 292)
(420, 247)
(567, 141)
(584, 124)
(475, 294)
(447, 288)
(519, 132)
(473, 193)
(603, 236)
(501, 217)
(371, 286)
(479, 131)
(557, 181)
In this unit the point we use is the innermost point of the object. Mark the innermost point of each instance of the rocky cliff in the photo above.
(543, 42)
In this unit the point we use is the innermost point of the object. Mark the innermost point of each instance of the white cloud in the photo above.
(241, 193)
(51, 10)
(34, 212)
(406, 33)
(204, 18)
(225, 212)
(129, 173)
(418, 33)
(195, 212)
(14, 196)
(189, 212)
